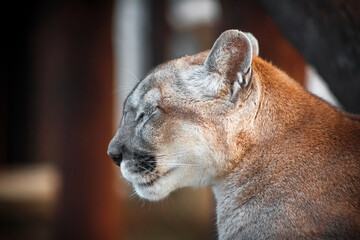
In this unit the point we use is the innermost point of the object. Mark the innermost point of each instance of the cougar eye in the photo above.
(147, 112)
(140, 116)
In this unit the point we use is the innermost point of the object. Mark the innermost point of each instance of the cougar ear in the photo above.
(231, 57)
(254, 43)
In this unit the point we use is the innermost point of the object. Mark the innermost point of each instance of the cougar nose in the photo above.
(115, 152)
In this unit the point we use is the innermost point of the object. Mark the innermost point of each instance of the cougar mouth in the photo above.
(149, 183)
(155, 179)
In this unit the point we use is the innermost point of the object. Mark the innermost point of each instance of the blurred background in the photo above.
(66, 68)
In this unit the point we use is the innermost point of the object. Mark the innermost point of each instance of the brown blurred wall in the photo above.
(74, 75)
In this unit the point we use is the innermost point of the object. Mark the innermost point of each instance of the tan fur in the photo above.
(309, 149)
(301, 146)
(283, 164)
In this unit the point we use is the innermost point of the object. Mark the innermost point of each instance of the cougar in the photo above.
(282, 163)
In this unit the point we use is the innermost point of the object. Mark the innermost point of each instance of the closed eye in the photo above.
(140, 117)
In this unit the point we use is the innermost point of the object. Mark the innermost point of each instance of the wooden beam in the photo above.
(75, 77)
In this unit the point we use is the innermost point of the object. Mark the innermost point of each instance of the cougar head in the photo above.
(180, 123)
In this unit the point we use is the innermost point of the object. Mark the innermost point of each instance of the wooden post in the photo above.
(75, 72)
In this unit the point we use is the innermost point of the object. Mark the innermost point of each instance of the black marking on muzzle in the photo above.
(144, 162)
